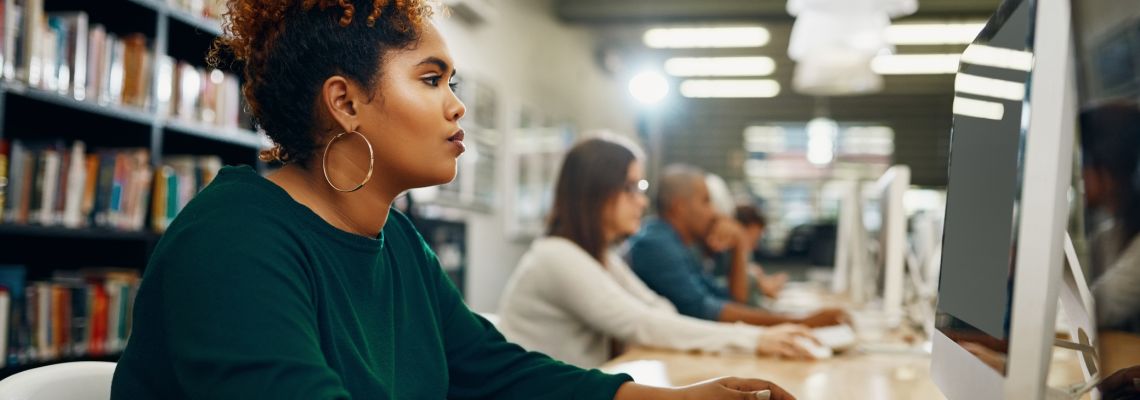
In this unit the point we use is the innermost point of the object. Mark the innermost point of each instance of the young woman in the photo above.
(571, 294)
(304, 285)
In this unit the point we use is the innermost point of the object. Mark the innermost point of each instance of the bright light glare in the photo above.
(730, 88)
(682, 38)
(933, 33)
(915, 64)
(648, 87)
(720, 66)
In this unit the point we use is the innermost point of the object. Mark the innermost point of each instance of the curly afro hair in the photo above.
(287, 49)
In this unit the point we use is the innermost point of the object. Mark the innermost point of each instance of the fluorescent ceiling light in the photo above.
(736, 88)
(990, 87)
(933, 33)
(998, 57)
(915, 64)
(680, 38)
(978, 108)
(720, 66)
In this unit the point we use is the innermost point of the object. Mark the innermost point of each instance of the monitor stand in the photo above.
(1076, 301)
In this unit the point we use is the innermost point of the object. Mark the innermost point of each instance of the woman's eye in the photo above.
(432, 80)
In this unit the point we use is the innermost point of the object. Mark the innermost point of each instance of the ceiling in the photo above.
(708, 132)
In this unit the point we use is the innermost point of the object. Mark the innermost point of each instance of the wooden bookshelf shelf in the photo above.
(236, 136)
(71, 233)
(125, 113)
(201, 23)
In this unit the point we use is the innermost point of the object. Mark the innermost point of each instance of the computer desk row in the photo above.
(885, 368)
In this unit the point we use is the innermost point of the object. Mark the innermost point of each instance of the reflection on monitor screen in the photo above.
(976, 286)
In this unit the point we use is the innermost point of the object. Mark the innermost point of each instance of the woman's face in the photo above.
(413, 120)
(624, 211)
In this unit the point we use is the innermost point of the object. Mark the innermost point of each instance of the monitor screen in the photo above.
(987, 139)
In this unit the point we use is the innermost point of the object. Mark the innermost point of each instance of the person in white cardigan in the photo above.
(571, 295)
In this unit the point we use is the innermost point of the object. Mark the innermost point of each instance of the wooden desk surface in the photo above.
(852, 375)
(1118, 350)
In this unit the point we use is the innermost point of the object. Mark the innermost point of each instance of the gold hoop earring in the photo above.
(325, 161)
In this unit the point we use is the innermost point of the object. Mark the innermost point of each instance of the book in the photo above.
(3, 177)
(76, 182)
(71, 56)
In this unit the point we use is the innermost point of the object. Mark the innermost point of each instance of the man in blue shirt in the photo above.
(662, 256)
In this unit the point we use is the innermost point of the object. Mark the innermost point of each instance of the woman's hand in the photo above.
(715, 389)
(780, 341)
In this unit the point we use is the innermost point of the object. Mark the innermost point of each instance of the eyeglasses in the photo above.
(636, 187)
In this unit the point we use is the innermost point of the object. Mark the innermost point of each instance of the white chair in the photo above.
(80, 380)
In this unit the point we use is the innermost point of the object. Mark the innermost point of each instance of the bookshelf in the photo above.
(153, 115)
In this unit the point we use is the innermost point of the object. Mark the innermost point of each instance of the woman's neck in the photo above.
(362, 212)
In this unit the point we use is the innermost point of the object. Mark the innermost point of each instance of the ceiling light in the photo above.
(915, 64)
(648, 87)
(998, 57)
(979, 108)
(720, 66)
(736, 88)
(990, 87)
(821, 140)
(680, 38)
(930, 33)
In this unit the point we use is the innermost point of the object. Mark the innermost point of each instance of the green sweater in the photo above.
(251, 295)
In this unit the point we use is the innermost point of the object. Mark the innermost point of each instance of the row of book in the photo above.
(55, 184)
(195, 94)
(176, 182)
(76, 313)
(65, 52)
(68, 54)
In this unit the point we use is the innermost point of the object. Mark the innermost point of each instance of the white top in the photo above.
(1117, 292)
(560, 301)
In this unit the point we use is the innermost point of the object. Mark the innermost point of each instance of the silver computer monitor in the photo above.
(1006, 207)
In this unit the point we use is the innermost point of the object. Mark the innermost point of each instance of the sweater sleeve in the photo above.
(482, 364)
(240, 319)
(580, 284)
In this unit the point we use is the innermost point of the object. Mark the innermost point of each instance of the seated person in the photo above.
(571, 294)
(730, 246)
(1110, 146)
(303, 284)
(660, 255)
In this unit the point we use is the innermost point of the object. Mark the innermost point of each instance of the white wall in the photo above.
(529, 58)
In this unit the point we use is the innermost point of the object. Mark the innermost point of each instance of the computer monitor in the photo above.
(858, 274)
(891, 188)
(1010, 169)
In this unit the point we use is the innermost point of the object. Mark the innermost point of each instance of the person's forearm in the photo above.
(740, 313)
(633, 391)
(738, 274)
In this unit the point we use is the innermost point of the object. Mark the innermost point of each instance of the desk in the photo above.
(1118, 350)
(852, 375)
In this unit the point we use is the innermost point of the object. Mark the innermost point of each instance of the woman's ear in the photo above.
(339, 99)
